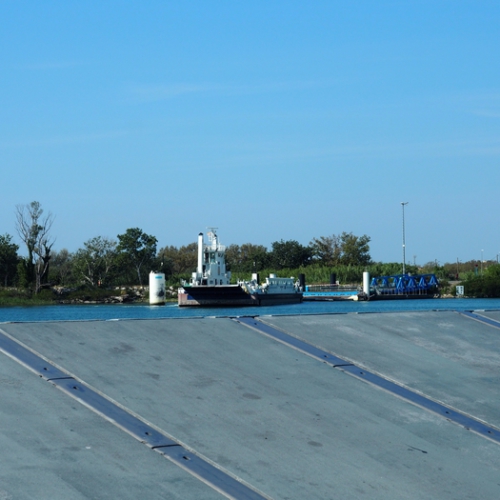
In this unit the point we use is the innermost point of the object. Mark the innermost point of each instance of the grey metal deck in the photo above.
(283, 423)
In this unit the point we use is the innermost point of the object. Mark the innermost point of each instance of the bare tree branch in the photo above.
(34, 230)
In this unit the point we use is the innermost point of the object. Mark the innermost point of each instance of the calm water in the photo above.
(143, 311)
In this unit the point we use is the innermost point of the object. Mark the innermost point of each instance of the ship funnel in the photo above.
(199, 269)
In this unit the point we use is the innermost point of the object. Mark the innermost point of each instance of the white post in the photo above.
(199, 270)
(366, 283)
(156, 288)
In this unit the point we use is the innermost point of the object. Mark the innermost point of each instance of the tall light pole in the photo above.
(403, 203)
(482, 252)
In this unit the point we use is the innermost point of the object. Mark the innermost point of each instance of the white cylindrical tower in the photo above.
(199, 269)
(366, 283)
(156, 288)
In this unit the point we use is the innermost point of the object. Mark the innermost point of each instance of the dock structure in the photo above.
(411, 286)
(331, 292)
(382, 406)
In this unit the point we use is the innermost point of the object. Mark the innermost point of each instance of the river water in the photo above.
(89, 312)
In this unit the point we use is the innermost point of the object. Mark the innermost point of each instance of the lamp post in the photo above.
(403, 203)
(482, 251)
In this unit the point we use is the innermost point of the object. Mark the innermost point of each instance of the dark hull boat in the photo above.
(210, 284)
(232, 296)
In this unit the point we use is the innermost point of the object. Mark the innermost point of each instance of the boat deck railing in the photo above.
(397, 291)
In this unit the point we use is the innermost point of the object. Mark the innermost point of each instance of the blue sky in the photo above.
(267, 119)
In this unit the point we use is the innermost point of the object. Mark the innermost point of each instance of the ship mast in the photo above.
(212, 236)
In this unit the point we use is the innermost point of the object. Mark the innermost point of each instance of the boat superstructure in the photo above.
(211, 269)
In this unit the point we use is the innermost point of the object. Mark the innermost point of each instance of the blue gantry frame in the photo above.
(406, 283)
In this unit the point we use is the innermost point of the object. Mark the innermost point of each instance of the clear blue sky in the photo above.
(267, 119)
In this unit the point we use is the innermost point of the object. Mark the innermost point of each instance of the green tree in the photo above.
(486, 285)
(247, 257)
(22, 278)
(92, 263)
(355, 249)
(178, 261)
(493, 271)
(34, 230)
(345, 249)
(61, 267)
(389, 269)
(8, 260)
(289, 254)
(136, 251)
(326, 250)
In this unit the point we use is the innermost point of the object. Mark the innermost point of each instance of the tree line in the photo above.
(127, 260)
(103, 261)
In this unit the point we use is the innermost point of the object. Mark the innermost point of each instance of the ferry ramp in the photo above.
(379, 406)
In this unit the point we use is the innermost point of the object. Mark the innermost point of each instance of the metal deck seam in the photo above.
(203, 469)
(481, 319)
(452, 415)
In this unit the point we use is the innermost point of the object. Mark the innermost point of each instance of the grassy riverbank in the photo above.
(12, 297)
(22, 301)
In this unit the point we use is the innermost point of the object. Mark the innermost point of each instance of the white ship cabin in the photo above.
(283, 285)
(273, 284)
(211, 269)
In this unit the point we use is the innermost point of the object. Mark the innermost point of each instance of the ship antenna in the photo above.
(212, 233)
